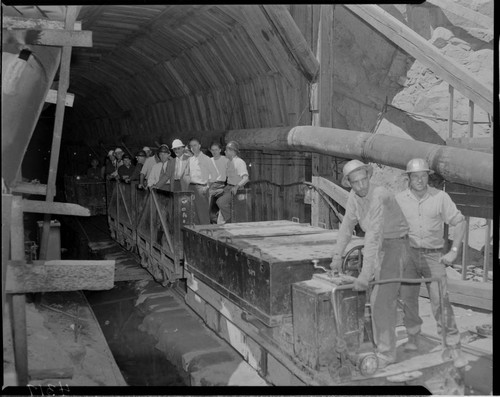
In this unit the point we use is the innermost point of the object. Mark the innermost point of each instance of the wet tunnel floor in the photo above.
(134, 351)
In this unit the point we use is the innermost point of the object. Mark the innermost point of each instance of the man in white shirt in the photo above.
(199, 171)
(237, 177)
(217, 187)
(162, 173)
(181, 161)
(148, 165)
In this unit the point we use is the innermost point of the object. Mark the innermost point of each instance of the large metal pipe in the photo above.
(456, 165)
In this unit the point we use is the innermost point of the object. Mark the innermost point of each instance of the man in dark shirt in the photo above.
(94, 172)
(126, 170)
(141, 158)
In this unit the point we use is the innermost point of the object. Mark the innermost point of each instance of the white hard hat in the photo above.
(352, 166)
(117, 150)
(417, 165)
(146, 149)
(111, 153)
(177, 143)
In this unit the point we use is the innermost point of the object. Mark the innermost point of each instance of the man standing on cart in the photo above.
(426, 210)
(385, 250)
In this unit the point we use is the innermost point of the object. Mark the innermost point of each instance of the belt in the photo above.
(427, 250)
(230, 184)
(397, 238)
(198, 184)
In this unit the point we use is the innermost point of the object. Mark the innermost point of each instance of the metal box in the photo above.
(255, 264)
(317, 324)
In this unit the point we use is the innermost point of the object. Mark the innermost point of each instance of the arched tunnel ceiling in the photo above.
(144, 54)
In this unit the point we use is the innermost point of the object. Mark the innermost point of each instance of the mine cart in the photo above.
(266, 288)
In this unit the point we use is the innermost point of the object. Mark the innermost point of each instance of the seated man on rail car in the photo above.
(385, 252)
(141, 158)
(181, 160)
(217, 187)
(199, 172)
(427, 209)
(237, 177)
(94, 172)
(162, 173)
(126, 170)
(109, 169)
(151, 160)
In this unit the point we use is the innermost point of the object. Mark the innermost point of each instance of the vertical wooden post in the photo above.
(18, 302)
(324, 100)
(6, 223)
(450, 111)
(71, 14)
(471, 118)
(486, 250)
(465, 251)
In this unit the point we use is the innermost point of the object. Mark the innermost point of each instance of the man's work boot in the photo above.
(412, 343)
(383, 360)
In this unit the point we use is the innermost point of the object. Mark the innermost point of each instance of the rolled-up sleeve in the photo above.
(451, 213)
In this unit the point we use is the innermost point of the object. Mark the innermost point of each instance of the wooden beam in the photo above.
(6, 222)
(419, 48)
(293, 39)
(468, 293)
(59, 275)
(337, 193)
(35, 23)
(52, 98)
(44, 207)
(464, 12)
(30, 188)
(18, 302)
(71, 14)
(51, 37)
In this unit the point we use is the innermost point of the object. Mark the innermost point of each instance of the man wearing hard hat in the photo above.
(427, 209)
(385, 250)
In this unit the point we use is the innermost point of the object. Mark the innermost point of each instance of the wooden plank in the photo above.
(30, 188)
(50, 37)
(293, 39)
(43, 207)
(52, 98)
(468, 293)
(18, 302)
(415, 45)
(337, 193)
(34, 23)
(71, 13)
(6, 222)
(59, 275)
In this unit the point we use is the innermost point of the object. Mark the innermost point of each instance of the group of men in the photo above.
(403, 240)
(213, 180)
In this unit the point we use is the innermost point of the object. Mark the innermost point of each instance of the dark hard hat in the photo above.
(126, 156)
(234, 146)
(141, 153)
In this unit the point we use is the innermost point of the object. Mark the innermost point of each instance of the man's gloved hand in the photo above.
(360, 284)
(336, 264)
(449, 258)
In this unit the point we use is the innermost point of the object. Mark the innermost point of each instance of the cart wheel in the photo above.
(352, 264)
(367, 364)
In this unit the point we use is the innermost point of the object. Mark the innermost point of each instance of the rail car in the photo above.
(262, 286)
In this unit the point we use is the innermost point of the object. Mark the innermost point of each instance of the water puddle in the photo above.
(134, 351)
